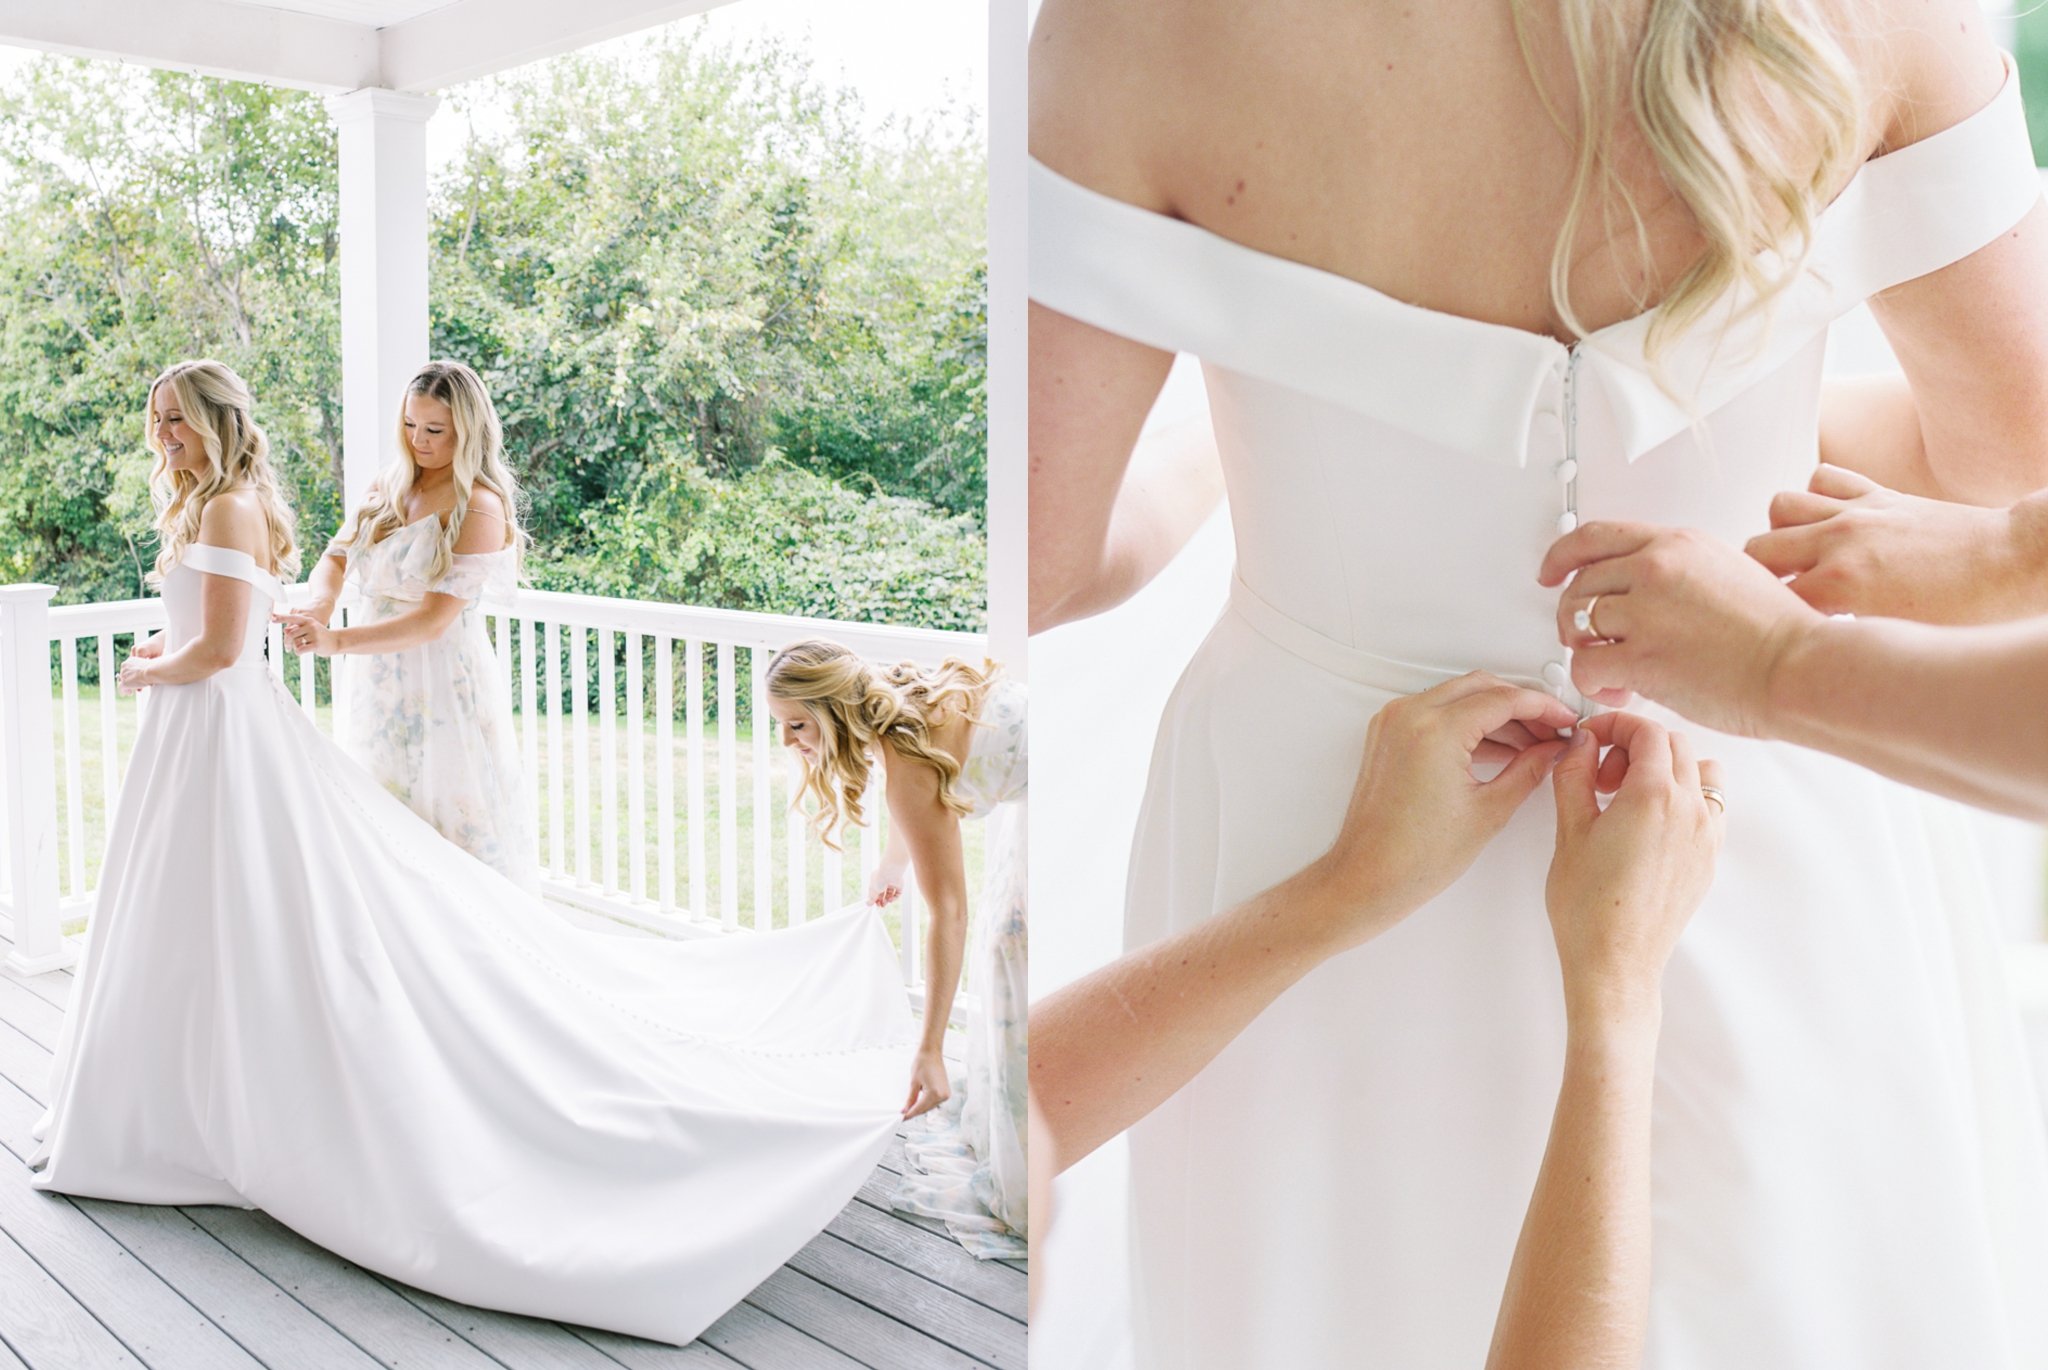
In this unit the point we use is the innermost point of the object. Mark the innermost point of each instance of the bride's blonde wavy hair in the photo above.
(858, 707)
(216, 406)
(1756, 116)
(479, 461)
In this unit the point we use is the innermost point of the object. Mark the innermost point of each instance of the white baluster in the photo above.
(31, 780)
(764, 812)
(557, 844)
(74, 782)
(608, 759)
(665, 770)
(580, 735)
(728, 793)
(529, 727)
(693, 703)
(110, 730)
(636, 768)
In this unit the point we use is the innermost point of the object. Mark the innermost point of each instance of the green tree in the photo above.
(698, 290)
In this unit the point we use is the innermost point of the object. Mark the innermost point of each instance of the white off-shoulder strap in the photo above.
(1904, 215)
(226, 561)
(1471, 386)
(1172, 285)
(1932, 202)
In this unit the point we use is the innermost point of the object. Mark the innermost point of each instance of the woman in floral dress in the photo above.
(950, 743)
(430, 715)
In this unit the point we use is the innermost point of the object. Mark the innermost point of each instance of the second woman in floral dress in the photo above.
(429, 711)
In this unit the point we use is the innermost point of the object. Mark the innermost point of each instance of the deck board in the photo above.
(85, 1282)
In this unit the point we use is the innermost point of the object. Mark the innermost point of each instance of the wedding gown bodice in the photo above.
(184, 596)
(1348, 420)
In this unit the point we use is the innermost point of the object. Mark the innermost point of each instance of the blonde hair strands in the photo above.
(1755, 115)
(860, 707)
(479, 461)
(216, 406)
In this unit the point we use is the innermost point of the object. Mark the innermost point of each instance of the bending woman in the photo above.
(430, 713)
(951, 745)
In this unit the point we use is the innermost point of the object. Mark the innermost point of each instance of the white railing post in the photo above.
(31, 780)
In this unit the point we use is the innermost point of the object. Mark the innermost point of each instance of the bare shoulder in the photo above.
(1099, 71)
(1933, 62)
(1141, 99)
(235, 519)
(484, 527)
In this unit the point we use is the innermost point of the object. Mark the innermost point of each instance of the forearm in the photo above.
(1953, 710)
(1173, 485)
(1872, 424)
(945, 948)
(1109, 1048)
(323, 587)
(1578, 1290)
(194, 661)
(394, 634)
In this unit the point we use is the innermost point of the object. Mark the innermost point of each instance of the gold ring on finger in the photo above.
(1712, 794)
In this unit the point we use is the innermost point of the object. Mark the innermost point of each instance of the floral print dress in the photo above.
(433, 722)
(966, 1164)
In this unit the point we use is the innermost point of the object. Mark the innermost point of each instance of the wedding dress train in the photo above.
(297, 996)
(1849, 1166)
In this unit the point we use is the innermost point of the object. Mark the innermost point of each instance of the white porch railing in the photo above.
(650, 802)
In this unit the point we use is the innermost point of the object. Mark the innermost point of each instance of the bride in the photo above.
(297, 996)
(1460, 277)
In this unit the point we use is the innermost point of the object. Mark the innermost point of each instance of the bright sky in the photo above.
(905, 57)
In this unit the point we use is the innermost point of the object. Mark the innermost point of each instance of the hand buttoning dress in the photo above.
(433, 722)
(1849, 1169)
(296, 996)
(966, 1164)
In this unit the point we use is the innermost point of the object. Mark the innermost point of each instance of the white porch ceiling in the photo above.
(376, 14)
(332, 46)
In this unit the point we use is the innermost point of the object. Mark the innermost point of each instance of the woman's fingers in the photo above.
(1479, 715)
(1649, 757)
(1786, 551)
(1520, 777)
(1839, 482)
(1796, 508)
(1571, 779)
(1516, 735)
(1685, 767)
(1492, 753)
(1710, 778)
(1591, 542)
(1605, 581)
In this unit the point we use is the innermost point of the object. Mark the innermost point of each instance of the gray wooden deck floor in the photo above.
(86, 1284)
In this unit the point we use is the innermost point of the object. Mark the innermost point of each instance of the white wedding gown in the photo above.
(1849, 1166)
(297, 996)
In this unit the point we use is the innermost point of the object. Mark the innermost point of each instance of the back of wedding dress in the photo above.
(1849, 1166)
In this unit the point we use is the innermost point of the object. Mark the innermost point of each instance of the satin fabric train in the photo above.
(297, 996)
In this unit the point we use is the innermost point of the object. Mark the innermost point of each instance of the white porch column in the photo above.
(383, 270)
(1008, 481)
(25, 718)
